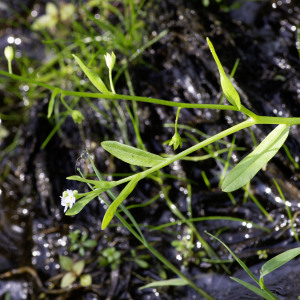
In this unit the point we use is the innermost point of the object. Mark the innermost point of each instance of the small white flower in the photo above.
(9, 53)
(68, 199)
(110, 60)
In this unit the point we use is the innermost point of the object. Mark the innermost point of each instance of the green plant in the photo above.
(239, 176)
(80, 242)
(140, 260)
(74, 271)
(185, 247)
(151, 163)
(110, 257)
(268, 267)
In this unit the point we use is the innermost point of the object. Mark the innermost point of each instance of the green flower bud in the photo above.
(9, 53)
(176, 141)
(110, 60)
(77, 116)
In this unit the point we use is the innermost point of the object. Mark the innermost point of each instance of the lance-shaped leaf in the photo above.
(93, 77)
(132, 155)
(228, 89)
(168, 282)
(247, 168)
(80, 204)
(122, 196)
(254, 289)
(279, 260)
(96, 183)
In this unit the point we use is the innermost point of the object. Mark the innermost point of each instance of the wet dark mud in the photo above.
(33, 227)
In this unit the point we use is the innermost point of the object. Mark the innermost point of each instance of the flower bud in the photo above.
(9, 53)
(77, 116)
(110, 60)
(176, 141)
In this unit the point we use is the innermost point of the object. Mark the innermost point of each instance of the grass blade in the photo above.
(236, 258)
(132, 155)
(247, 168)
(168, 282)
(254, 289)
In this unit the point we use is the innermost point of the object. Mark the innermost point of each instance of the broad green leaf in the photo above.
(228, 89)
(122, 196)
(92, 76)
(78, 267)
(96, 183)
(242, 264)
(247, 168)
(254, 289)
(51, 102)
(80, 204)
(132, 155)
(279, 260)
(168, 282)
(68, 279)
(65, 262)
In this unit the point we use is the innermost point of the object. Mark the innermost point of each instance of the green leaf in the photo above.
(122, 196)
(132, 155)
(279, 260)
(51, 102)
(142, 263)
(242, 264)
(80, 204)
(90, 243)
(65, 262)
(68, 279)
(247, 168)
(92, 76)
(78, 267)
(228, 89)
(168, 282)
(85, 280)
(96, 183)
(254, 289)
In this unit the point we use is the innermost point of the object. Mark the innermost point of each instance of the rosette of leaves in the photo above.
(80, 242)
(74, 272)
(110, 257)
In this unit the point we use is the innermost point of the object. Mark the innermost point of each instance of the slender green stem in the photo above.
(177, 117)
(9, 67)
(218, 136)
(277, 120)
(249, 113)
(62, 98)
(111, 81)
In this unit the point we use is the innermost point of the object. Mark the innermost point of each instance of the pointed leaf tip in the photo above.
(247, 168)
(122, 196)
(92, 76)
(228, 89)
